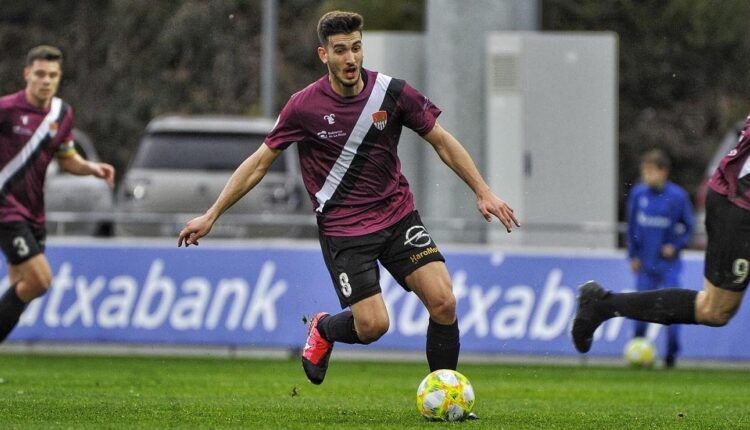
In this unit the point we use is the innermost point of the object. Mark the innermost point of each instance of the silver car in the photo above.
(78, 205)
(183, 163)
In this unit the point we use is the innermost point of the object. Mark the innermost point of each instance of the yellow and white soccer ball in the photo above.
(640, 352)
(445, 395)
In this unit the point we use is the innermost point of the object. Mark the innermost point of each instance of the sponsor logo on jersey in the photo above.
(652, 220)
(17, 129)
(331, 134)
(380, 119)
(417, 236)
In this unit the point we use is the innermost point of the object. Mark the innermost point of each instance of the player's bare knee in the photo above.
(716, 318)
(38, 283)
(444, 310)
(372, 330)
(714, 313)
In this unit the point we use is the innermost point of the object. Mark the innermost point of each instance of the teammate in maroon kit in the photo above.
(346, 126)
(725, 271)
(35, 126)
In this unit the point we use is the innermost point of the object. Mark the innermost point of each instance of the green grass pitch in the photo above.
(49, 392)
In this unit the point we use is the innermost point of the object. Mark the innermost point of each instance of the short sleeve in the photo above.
(286, 131)
(418, 112)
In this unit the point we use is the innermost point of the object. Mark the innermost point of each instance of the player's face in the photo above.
(653, 176)
(42, 78)
(343, 56)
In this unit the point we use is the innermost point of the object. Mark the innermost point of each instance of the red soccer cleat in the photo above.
(316, 352)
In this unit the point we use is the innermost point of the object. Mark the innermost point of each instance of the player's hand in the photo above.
(195, 229)
(635, 265)
(668, 251)
(490, 205)
(104, 171)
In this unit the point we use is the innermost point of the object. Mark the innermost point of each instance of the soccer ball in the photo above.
(640, 352)
(445, 395)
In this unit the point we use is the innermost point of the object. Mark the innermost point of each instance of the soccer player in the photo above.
(660, 223)
(725, 268)
(35, 127)
(346, 126)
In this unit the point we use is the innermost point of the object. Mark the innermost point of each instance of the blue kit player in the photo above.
(660, 223)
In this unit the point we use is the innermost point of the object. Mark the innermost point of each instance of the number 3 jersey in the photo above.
(348, 150)
(29, 138)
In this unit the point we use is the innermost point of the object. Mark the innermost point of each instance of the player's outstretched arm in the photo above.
(455, 156)
(247, 176)
(75, 164)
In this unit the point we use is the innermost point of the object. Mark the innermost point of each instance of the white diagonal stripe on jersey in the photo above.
(23, 156)
(745, 168)
(364, 122)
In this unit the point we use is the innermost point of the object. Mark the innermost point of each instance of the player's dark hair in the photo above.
(44, 52)
(658, 158)
(338, 22)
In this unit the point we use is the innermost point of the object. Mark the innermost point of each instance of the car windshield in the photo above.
(198, 151)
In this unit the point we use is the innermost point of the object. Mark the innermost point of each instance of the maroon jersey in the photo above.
(348, 150)
(29, 138)
(732, 177)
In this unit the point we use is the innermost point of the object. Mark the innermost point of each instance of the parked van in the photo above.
(182, 164)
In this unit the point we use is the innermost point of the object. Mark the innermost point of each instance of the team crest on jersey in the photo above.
(380, 119)
(52, 129)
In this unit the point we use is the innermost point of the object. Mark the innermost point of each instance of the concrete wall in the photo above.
(540, 144)
(454, 50)
(552, 135)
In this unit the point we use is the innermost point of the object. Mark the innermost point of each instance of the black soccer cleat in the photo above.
(588, 317)
(670, 361)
